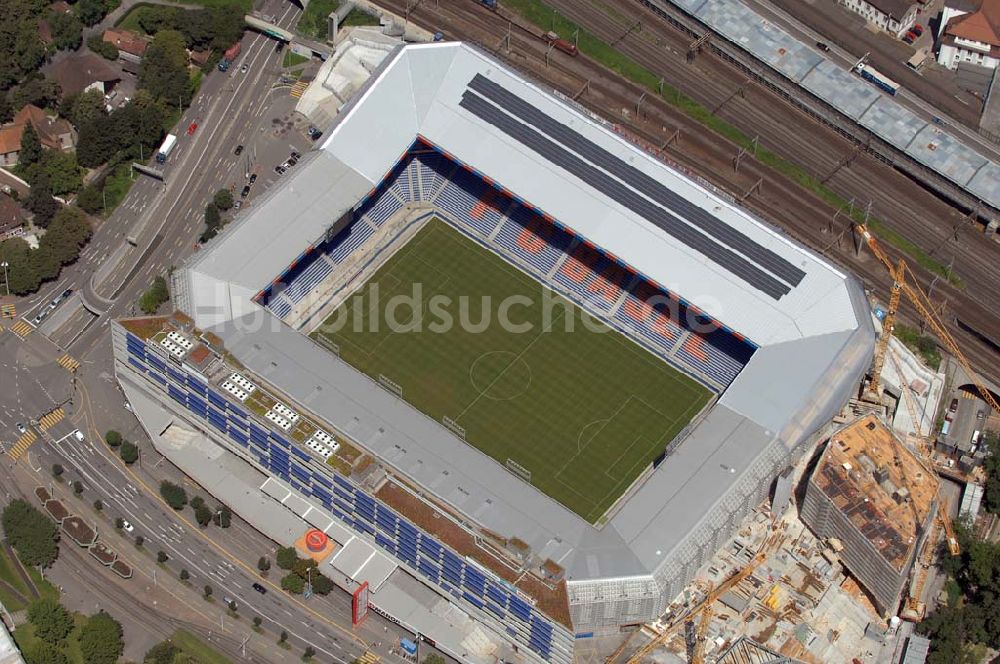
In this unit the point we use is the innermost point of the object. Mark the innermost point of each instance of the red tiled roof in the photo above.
(126, 40)
(982, 25)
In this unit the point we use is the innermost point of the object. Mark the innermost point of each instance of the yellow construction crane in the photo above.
(703, 607)
(916, 296)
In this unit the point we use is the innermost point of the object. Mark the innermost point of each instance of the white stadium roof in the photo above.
(810, 319)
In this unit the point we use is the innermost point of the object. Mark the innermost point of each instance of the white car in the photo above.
(21, 428)
(78, 435)
(127, 527)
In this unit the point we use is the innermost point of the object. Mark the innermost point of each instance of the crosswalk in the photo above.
(50, 419)
(299, 89)
(68, 363)
(8, 311)
(21, 328)
(368, 658)
(22, 444)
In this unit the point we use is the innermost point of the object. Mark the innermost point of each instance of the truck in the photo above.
(560, 44)
(229, 56)
(877, 78)
(168, 145)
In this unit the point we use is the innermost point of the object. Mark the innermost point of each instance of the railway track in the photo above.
(783, 202)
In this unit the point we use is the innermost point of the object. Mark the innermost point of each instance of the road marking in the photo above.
(22, 444)
(21, 328)
(68, 363)
(50, 419)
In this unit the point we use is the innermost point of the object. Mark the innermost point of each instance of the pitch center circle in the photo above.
(500, 375)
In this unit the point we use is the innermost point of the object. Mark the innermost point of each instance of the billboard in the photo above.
(359, 604)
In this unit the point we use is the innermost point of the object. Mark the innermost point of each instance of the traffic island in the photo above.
(122, 569)
(78, 530)
(42, 494)
(56, 510)
(103, 553)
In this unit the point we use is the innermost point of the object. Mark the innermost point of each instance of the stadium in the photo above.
(575, 367)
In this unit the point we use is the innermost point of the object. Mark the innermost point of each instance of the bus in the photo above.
(877, 78)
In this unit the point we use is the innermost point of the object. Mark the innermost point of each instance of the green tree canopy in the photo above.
(90, 12)
(163, 71)
(129, 453)
(52, 622)
(223, 199)
(101, 639)
(293, 583)
(31, 147)
(35, 89)
(161, 653)
(113, 438)
(174, 495)
(286, 557)
(40, 200)
(43, 653)
(32, 534)
(67, 30)
(96, 43)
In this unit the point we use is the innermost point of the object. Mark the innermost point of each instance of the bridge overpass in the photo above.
(273, 31)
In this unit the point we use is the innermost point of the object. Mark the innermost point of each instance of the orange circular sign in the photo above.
(316, 540)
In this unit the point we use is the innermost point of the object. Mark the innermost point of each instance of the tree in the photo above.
(185, 575)
(157, 294)
(283, 637)
(161, 556)
(35, 89)
(207, 591)
(434, 658)
(43, 653)
(197, 502)
(113, 438)
(303, 566)
(321, 584)
(52, 622)
(40, 200)
(78, 487)
(263, 564)
(101, 639)
(223, 517)
(119, 523)
(91, 199)
(293, 583)
(212, 217)
(991, 490)
(203, 515)
(232, 605)
(31, 147)
(309, 653)
(139, 540)
(223, 199)
(31, 533)
(57, 470)
(60, 167)
(162, 653)
(96, 43)
(129, 453)
(286, 557)
(67, 31)
(98, 505)
(90, 12)
(174, 495)
(163, 70)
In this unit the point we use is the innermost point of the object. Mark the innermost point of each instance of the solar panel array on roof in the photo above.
(688, 223)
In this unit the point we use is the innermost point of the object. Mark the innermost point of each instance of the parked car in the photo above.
(280, 169)
(253, 178)
(238, 151)
(823, 47)
(917, 29)
(909, 37)
(296, 155)
(291, 162)
(21, 428)
(245, 192)
(237, 204)
(127, 527)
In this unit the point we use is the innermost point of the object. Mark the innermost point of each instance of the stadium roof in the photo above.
(669, 227)
(811, 320)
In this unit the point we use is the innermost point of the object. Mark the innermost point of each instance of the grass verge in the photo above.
(196, 649)
(548, 19)
(292, 59)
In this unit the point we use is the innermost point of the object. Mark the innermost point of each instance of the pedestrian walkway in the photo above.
(8, 311)
(21, 328)
(49, 420)
(22, 444)
(299, 89)
(368, 658)
(68, 363)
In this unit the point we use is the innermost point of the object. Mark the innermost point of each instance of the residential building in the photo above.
(53, 132)
(12, 216)
(893, 16)
(78, 72)
(871, 493)
(131, 45)
(970, 33)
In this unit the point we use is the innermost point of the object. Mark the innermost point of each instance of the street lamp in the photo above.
(5, 265)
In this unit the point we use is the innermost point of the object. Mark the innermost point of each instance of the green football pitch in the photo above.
(564, 400)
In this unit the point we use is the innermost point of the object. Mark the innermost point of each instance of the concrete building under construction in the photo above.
(874, 495)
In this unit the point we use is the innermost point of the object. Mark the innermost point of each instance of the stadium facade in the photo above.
(446, 131)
